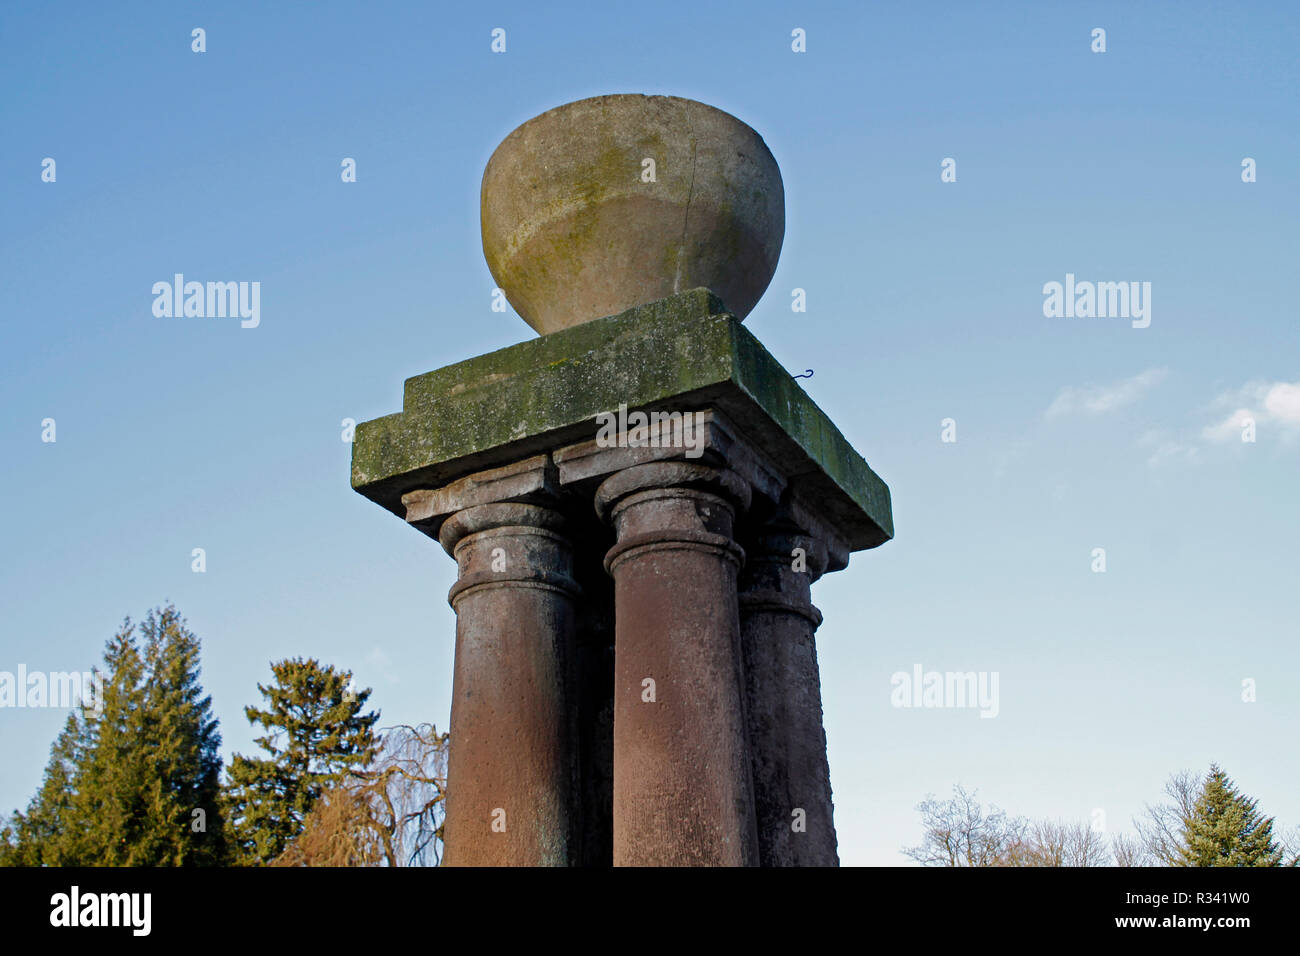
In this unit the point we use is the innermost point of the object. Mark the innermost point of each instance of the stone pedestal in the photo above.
(712, 691)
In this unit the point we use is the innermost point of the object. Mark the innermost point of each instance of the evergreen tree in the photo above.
(317, 736)
(72, 820)
(108, 816)
(127, 773)
(1224, 828)
(183, 760)
(33, 839)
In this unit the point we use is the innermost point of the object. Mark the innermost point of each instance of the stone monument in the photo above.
(638, 502)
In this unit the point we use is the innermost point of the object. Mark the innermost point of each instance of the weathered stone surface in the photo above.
(734, 661)
(714, 437)
(682, 353)
(783, 705)
(659, 707)
(682, 789)
(531, 481)
(782, 699)
(577, 683)
(512, 769)
(572, 229)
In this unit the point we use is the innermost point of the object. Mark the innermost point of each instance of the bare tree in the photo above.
(1290, 843)
(390, 814)
(1129, 851)
(406, 791)
(338, 831)
(959, 833)
(1087, 847)
(1056, 843)
(1162, 827)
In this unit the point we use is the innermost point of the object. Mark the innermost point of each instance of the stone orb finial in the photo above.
(578, 225)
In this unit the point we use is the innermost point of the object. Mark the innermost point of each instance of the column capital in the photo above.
(527, 481)
(793, 514)
(508, 545)
(722, 483)
(703, 437)
(490, 517)
(673, 506)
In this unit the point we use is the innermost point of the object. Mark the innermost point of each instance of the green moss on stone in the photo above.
(681, 352)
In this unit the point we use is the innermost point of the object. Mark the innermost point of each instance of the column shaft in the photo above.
(792, 789)
(511, 767)
(682, 790)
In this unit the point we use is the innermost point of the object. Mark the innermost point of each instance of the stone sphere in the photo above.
(610, 202)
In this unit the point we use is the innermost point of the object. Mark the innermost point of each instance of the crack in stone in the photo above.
(686, 218)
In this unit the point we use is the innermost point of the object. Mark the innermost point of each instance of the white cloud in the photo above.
(1172, 452)
(1267, 403)
(1231, 427)
(1167, 449)
(1099, 399)
(1283, 402)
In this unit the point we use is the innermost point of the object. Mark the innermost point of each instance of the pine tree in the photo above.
(129, 769)
(74, 819)
(1224, 828)
(182, 759)
(317, 735)
(108, 815)
(33, 838)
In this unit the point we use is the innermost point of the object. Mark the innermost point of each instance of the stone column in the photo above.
(511, 768)
(682, 789)
(792, 790)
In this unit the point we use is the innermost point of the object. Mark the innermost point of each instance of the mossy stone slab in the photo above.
(682, 353)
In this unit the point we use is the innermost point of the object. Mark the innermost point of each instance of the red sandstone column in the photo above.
(682, 790)
(510, 787)
(792, 789)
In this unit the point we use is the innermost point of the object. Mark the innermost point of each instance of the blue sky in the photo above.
(924, 302)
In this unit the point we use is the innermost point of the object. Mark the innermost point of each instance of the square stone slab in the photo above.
(682, 353)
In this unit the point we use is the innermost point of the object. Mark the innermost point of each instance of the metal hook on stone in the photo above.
(807, 374)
